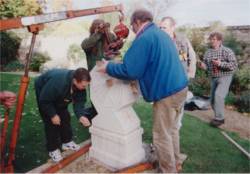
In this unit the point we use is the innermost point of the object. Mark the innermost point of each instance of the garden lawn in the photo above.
(207, 149)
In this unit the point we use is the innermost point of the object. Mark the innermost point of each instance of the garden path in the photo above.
(234, 121)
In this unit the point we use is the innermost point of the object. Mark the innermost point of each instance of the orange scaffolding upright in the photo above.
(34, 25)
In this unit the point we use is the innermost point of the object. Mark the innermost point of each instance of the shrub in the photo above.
(230, 99)
(200, 85)
(14, 66)
(9, 44)
(75, 53)
(198, 42)
(241, 81)
(231, 42)
(38, 60)
(243, 102)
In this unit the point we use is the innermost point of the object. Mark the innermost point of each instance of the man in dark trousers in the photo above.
(55, 89)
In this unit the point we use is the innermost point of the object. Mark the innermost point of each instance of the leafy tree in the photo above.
(157, 8)
(38, 60)
(231, 42)
(10, 41)
(75, 53)
(112, 18)
(16, 8)
(9, 45)
(62, 5)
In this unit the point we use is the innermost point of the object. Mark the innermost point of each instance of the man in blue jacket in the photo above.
(55, 90)
(153, 60)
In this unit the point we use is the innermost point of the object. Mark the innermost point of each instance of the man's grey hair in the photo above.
(141, 15)
(170, 19)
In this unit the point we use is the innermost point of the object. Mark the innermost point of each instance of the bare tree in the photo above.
(156, 7)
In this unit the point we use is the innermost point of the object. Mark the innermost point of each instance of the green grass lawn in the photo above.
(207, 149)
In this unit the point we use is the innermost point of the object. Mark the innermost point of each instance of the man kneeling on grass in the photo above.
(55, 89)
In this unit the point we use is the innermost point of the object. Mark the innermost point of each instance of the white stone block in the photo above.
(116, 134)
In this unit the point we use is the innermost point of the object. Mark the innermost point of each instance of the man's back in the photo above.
(153, 60)
(56, 78)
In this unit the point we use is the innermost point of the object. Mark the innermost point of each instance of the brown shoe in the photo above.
(178, 168)
(217, 123)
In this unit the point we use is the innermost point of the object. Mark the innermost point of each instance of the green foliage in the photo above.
(14, 66)
(216, 26)
(243, 102)
(200, 86)
(16, 8)
(75, 53)
(241, 81)
(198, 42)
(38, 60)
(125, 47)
(9, 44)
(231, 42)
(230, 99)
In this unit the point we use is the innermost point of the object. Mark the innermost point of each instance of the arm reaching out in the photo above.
(7, 98)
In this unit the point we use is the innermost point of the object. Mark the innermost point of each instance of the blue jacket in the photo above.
(153, 60)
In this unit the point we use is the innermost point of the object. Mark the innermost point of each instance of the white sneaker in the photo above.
(70, 146)
(56, 155)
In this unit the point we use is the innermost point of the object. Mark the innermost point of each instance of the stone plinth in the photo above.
(116, 134)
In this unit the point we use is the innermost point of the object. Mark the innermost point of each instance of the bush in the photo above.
(14, 66)
(243, 102)
(231, 42)
(38, 60)
(230, 99)
(200, 85)
(241, 81)
(9, 44)
(75, 53)
(198, 42)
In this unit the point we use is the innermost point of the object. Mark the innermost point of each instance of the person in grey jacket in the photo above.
(186, 55)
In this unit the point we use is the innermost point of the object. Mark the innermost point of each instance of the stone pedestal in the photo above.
(116, 134)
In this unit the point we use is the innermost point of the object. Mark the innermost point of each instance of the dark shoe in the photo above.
(216, 123)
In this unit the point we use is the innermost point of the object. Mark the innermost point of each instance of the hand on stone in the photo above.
(56, 120)
(84, 121)
(109, 82)
(102, 66)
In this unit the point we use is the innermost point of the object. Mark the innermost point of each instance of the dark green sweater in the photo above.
(93, 48)
(53, 91)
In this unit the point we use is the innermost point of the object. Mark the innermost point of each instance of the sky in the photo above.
(192, 12)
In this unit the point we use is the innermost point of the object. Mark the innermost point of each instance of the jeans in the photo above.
(219, 90)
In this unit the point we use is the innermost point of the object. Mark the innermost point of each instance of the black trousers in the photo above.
(57, 134)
